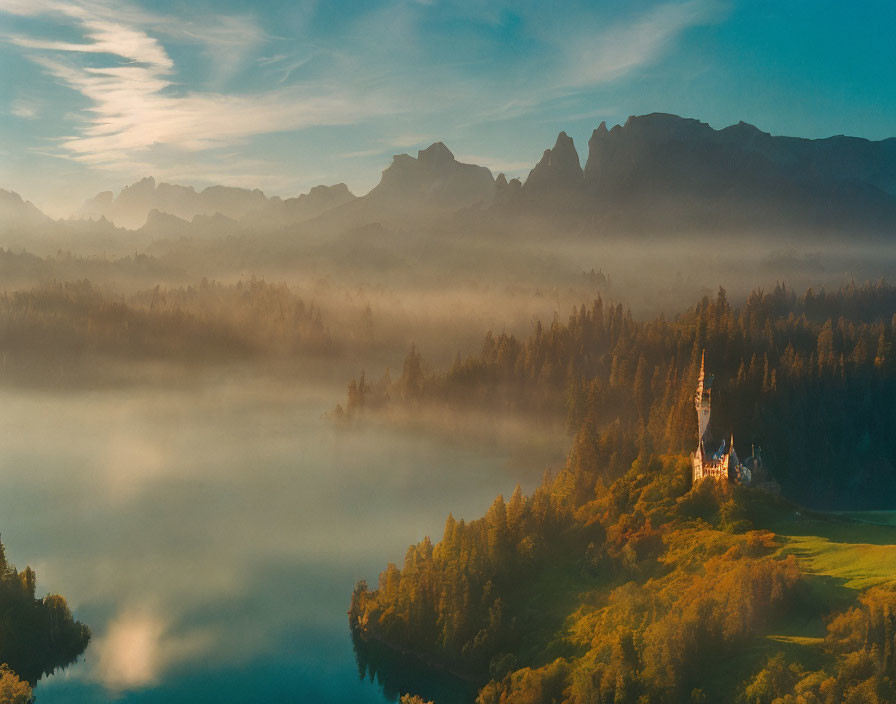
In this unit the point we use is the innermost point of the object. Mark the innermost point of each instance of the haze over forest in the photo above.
(653, 201)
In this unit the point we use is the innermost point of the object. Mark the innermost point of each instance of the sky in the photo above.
(288, 94)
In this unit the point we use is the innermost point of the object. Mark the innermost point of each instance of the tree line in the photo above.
(37, 635)
(810, 379)
(618, 582)
(67, 321)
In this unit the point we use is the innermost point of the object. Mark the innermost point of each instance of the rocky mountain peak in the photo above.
(435, 154)
(558, 170)
(15, 209)
(435, 177)
(144, 185)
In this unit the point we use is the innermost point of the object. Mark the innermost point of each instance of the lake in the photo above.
(211, 535)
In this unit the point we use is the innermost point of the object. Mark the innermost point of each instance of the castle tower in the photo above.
(702, 405)
(702, 401)
(723, 465)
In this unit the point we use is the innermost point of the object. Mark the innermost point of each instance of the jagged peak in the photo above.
(221, 189)
(658, 118)
(11, 195)
(156, 215)
(435, 153)
(665, 122)
(558, 169)
(598, 134)
(338, 188)
(147, 182)
(323, 191)
(743, 127)
(563, 139)
(563, 154)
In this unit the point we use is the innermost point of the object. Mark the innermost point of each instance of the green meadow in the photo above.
(856, 550)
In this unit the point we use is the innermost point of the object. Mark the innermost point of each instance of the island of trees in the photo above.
(37, 635)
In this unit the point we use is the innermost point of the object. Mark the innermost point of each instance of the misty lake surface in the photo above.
(211, 536)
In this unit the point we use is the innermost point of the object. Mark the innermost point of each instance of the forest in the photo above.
(76, 325)
(809, 378)
(616, 580)
(37, 635)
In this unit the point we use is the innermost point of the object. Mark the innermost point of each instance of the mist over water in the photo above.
(211, 537)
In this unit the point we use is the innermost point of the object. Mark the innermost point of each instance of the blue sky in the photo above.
(95, 94)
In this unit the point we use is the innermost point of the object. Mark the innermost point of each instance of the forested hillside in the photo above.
(810, 378)
(648, 592)
(616, 580)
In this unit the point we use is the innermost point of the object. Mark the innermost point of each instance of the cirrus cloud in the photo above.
(152, 93)
(134, 103)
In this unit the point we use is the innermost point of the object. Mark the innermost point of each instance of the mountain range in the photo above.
(132, 206)
(655, 174)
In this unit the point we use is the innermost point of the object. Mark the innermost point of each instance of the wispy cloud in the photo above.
(596, 56)
(131, 111)
(106, 37)
(169, 94)
(363, 153)
(284, 65)
(135, 103)
(584, 48)
(227, 40)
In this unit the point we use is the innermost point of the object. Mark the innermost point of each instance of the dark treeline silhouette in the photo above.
(208, 322)
(811, 379)
(21, 269)
(37, 636)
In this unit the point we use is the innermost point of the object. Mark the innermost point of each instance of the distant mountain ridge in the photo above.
(663, 172)
(434, 178)
(655, 174)
(133, 205)
(16, 212)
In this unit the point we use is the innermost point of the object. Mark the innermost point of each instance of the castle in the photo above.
(723, 464)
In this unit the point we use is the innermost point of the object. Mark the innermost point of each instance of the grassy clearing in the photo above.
(840, 554)
(859, 565)
(857, 553)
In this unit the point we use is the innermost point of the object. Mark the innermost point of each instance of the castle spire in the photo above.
(701, 376)
(702, 399)
(724, 464)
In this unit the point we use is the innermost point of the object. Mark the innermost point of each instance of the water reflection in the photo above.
(399, 675)
(208, 536)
